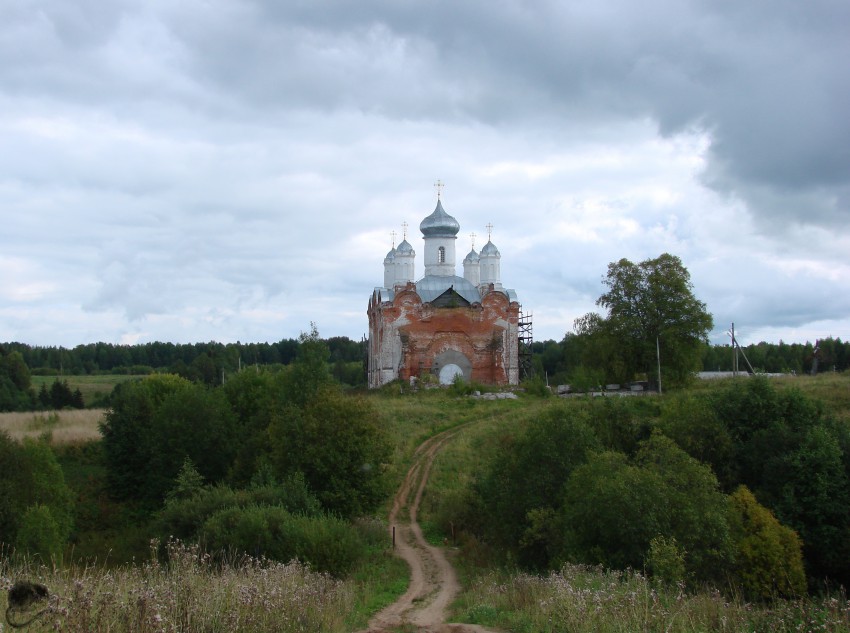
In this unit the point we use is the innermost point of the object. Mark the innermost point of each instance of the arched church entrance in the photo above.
(452, 363)
(449, 372)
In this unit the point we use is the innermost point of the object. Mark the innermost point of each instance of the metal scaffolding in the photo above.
(525, 340)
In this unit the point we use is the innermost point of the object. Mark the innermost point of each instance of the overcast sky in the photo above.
(213, 170)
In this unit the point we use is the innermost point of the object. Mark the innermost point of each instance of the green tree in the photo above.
(695, 426)
(522, 487)
(47, 485)
(309, 373)
(649, 304)
(14, 366)
(697, 509)
(613, 509)
(195, 423)
(127, 433)
(13, 487)
(31, 477)
(611, 512)
(340, 445)
(61, 395)
(15, 391)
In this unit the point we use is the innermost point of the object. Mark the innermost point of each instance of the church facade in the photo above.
(443, 325)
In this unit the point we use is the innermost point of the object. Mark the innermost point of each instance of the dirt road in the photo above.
(433, 582)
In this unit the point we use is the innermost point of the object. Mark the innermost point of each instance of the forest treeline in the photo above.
(566, 361)
(206, 363)
(207, 360)
(193, 360)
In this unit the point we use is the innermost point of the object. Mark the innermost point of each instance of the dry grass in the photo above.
(580, 599)
(63, 427)
(189, 594)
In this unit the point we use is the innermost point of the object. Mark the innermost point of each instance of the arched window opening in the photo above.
(441, 255)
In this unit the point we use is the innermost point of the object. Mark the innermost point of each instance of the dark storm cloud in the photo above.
(768, 80)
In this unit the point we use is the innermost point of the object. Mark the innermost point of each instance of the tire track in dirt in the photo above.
(433, 582)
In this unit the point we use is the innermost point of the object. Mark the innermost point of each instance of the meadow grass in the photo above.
(581, 599)
(69, 426)
(188, 593)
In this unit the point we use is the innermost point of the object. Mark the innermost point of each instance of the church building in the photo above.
(443, 325)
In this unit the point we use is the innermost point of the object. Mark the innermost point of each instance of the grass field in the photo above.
(94, 388)
(70, 426)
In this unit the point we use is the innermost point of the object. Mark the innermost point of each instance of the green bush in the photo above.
(666, 560)
(40, 534)
(536, 387)
(326, 543)
(613, 509)
(768, 560)
(183, 518)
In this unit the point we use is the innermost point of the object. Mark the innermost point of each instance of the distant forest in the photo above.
(202, 362)
(557, 361)
(560, 359)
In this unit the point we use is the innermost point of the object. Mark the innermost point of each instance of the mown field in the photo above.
(95, 388)
(195, 594)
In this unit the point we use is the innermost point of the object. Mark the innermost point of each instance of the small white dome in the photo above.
(490, 250)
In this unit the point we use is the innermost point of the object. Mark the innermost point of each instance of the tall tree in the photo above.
(652, 303)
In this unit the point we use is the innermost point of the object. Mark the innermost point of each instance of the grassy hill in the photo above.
(497, 594)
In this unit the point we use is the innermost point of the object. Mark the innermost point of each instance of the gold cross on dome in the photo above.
(439, 185)
(472, 237)
(393, 234)
(489, 228)
(404, 228)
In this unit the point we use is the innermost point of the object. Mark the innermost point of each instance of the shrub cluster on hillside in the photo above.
(273, 463)
(747, 484)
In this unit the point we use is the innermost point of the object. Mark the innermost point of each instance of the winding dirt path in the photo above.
(433, 582)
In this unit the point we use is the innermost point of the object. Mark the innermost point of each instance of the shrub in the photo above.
(768, 561)
(666, 560)
(39, 534)
(326, 543)
(614, 508)
(184, 518)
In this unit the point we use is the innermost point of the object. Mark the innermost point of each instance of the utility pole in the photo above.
(658, 355)
(734, 353)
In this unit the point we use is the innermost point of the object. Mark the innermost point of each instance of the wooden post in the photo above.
(393, 537)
